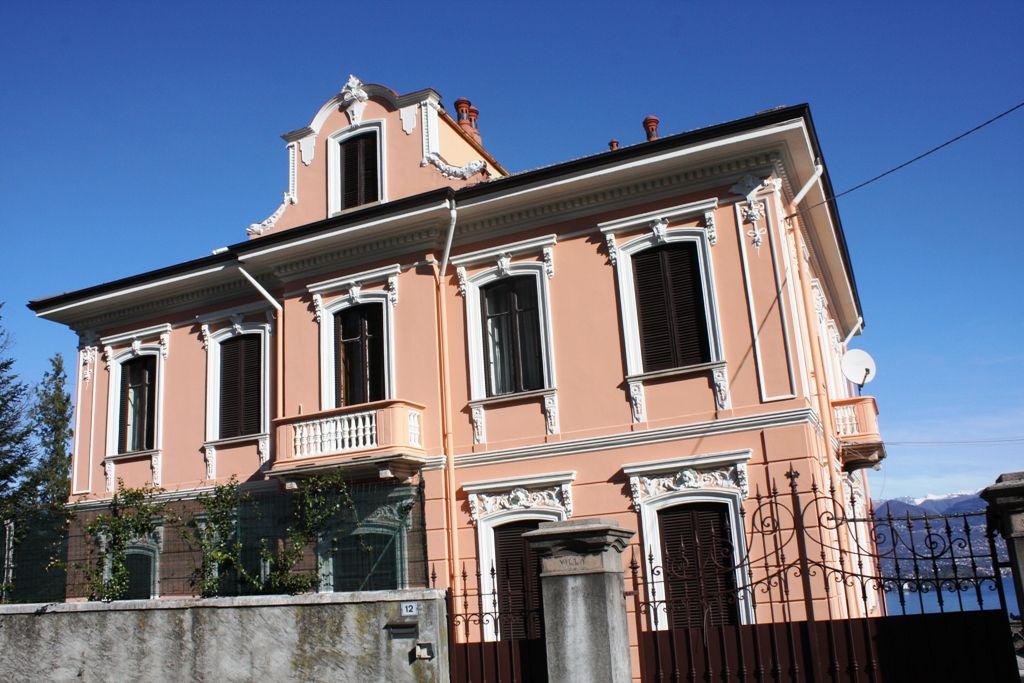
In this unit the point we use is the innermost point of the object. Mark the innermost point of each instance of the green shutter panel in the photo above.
(251, 381)
(518, 582)
(230, 387)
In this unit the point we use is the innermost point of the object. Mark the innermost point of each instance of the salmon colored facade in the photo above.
(566, 419)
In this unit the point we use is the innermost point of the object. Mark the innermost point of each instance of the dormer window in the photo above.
(355, 168)
(359, 170)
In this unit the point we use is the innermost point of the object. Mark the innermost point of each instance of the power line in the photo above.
(971, 442)
(908, 163)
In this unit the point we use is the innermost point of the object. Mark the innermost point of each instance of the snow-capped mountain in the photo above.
(952, 503)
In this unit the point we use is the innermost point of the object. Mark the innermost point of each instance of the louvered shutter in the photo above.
(140, 576)
(122, 436)
(653, 311)
(251, 381)
(230, 387)
(149, 396)
(698, 565)
(518, 582)
(690, 327)
(368, 161)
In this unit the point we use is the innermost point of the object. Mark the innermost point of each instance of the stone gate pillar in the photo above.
(584, 605)
(1005, 501)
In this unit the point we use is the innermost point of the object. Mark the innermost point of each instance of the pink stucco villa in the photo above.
(651, 335)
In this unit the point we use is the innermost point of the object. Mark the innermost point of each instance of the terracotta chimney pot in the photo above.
(613, 144)
(651, 126)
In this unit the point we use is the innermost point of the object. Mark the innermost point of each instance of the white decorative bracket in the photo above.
(636, 401)
(155, 469)
(355, 292)
(236, 322)
(392, 287)
(709, 227)
(551, 413)
(89, 354)
(408, 117)
(454, 172)
(504, 262)
(549, 262)
(460, 274)
(613, 251)
(720, 377)
(204, 335)
(479, 426)
(318, 308)
(108, 356)
(753, 213)
(210, 458)
(108, 474)
(263, 449)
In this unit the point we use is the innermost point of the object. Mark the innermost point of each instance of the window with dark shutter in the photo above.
(241, 380)
(140, 568)
(366, 562)
(359, 354)
(670, 307)
(359, 170)
(698, 564)
(137, 423)
(512, 345)
(517, 573)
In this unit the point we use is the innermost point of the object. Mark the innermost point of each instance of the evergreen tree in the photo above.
(15, 432)
(50, 477)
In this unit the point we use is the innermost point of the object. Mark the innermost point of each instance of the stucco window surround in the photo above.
(327, 302)
(713, 478)
(376, 127)
(150, 547)
(660, 228)
(494, 502)
(508, 261)
(151, 341)
(212, 341)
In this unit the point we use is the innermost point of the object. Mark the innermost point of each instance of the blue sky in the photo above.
(140, 134)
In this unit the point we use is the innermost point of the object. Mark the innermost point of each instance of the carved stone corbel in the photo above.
(636, 401)
(479, 427)
(551, 413)
(613, 251)
(720, 376)
(210, 458)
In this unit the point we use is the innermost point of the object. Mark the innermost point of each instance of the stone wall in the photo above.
(364, 637)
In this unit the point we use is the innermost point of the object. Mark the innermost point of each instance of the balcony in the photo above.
(383, 438)
(856, 425)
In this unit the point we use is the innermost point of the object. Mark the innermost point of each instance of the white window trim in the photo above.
(114, 362)
(212, 342)
(542, 497)
(720, 478)
(325, 312)
(334, 162)
(471, 286)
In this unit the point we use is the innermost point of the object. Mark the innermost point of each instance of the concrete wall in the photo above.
(328, 637)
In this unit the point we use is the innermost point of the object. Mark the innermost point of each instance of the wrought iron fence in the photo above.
(811, 587)
(370, 537)
(496, 625)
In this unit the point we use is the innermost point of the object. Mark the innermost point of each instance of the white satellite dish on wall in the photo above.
(858, 366)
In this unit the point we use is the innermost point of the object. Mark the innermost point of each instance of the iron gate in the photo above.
(496, 628)
(816, 592)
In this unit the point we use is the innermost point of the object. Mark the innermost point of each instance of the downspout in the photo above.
(446, 416)
(279, 340)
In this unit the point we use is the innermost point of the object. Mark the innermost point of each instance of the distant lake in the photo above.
(929, 601)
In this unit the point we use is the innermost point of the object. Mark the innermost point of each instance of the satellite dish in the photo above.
(858, 366)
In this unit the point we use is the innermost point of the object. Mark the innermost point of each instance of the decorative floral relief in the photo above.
(753, 213)
(504, 265)
(689, 478)
(390, 514)
(263, 449)
(720, 376)
(659, 227)
(549, 262)
(519, 498)
(204, 336)
(108, 356)
(353, 99)
(460, 274)
(89, 354)
(318, 308)
(455, 172)
(613, 251)
(392, 288)
(154, 468)
(108, 475)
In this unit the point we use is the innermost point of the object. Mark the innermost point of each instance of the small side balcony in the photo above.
(856, 425)
(383, 438)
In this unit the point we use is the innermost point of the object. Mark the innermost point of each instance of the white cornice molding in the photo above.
(387, 274)
(628, 439)
(531, 481)
(507, 250)
(454, 172)
(718, 471)
(137, 335)
(659, 219)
